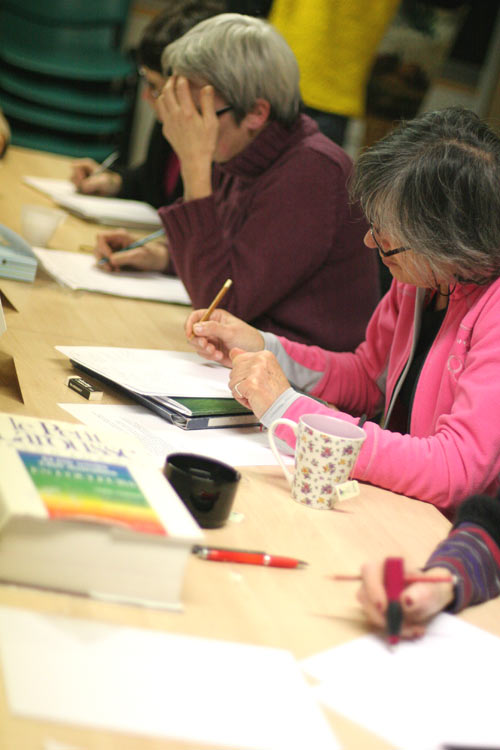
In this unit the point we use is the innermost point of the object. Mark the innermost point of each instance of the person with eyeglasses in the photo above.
(157, 180)
(265, 198)
(430, 361)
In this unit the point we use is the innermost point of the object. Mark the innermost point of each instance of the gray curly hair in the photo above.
(434, 185)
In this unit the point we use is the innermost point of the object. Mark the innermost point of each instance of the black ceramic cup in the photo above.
(207, 487)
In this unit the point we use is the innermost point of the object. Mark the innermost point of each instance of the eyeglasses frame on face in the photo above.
(386, 253)
(153, 90)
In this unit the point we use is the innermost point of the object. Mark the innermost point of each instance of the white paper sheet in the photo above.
(157, 684)
(154, 372)
(440, 689)
(239, 446)
(79, 271)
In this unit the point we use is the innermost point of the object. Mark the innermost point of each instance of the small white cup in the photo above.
(38, 223)
(325, 453)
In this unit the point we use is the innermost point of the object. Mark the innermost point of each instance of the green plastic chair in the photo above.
(62, 94)
(72, 11)
(57, 119)
(82, 52)
(58, 144)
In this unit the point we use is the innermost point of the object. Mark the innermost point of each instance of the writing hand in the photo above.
(214, 338)
(86, 181)
(419, 601)
(150, 257)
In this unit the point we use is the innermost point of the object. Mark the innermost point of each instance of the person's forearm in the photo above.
(473, 557)
(197, 180)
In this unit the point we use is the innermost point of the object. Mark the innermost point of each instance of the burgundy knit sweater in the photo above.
(280, 225)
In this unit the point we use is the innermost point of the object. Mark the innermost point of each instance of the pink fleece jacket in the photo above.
(453, 447)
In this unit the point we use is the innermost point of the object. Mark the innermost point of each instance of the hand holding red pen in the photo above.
(419, 601)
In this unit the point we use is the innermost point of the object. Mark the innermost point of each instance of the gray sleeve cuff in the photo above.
(279, 407)
(299, 376)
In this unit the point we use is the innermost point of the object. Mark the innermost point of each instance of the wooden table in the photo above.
(298, 610)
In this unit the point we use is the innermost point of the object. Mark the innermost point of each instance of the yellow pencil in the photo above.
(214, 304)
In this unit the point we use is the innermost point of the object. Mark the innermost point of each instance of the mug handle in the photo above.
(294, 426)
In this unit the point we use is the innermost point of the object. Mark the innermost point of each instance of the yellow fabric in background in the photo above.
(335, 42)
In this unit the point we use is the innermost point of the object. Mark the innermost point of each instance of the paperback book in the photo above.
(84, 511)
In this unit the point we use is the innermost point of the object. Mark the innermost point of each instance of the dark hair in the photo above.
(433, 184)
(169, 25)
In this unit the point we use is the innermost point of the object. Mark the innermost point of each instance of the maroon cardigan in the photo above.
(280, 225)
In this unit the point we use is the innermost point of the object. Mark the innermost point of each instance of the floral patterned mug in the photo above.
(325, 453)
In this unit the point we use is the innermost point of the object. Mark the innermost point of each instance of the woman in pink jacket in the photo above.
(430, 363)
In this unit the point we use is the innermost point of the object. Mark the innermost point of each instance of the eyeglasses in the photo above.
(221, 111)
(385, 253)
(152, 87)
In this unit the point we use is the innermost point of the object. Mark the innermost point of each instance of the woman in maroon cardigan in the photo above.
(265, 193)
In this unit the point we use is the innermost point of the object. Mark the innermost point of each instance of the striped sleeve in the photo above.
(472, 556)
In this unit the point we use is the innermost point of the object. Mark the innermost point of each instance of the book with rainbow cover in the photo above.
(84, 511)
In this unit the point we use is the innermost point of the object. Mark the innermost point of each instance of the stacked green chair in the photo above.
(65, 84)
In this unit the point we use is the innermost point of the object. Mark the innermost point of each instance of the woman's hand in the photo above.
(214, 338)
(256, 379)
(150, 257)
(83, 178)
(419, 601)
(192, 133)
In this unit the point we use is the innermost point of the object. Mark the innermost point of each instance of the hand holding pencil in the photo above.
(423, 595)
(214, 332)
(119, 248)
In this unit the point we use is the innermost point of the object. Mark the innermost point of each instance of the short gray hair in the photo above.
(244, 59)
(433, 184)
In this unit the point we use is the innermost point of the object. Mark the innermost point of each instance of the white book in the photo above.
(79, 271)
(85, 511)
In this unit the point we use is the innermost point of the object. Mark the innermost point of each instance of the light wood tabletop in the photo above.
(299, 610)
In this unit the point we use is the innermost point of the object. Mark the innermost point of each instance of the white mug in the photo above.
(325, 453)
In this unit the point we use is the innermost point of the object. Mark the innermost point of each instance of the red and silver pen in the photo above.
(246, 556)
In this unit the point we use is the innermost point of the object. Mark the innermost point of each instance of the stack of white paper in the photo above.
(50, 186)
(111, 211)
(154, 372)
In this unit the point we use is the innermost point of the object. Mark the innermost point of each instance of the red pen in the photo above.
(394, 583)
(247, 557)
